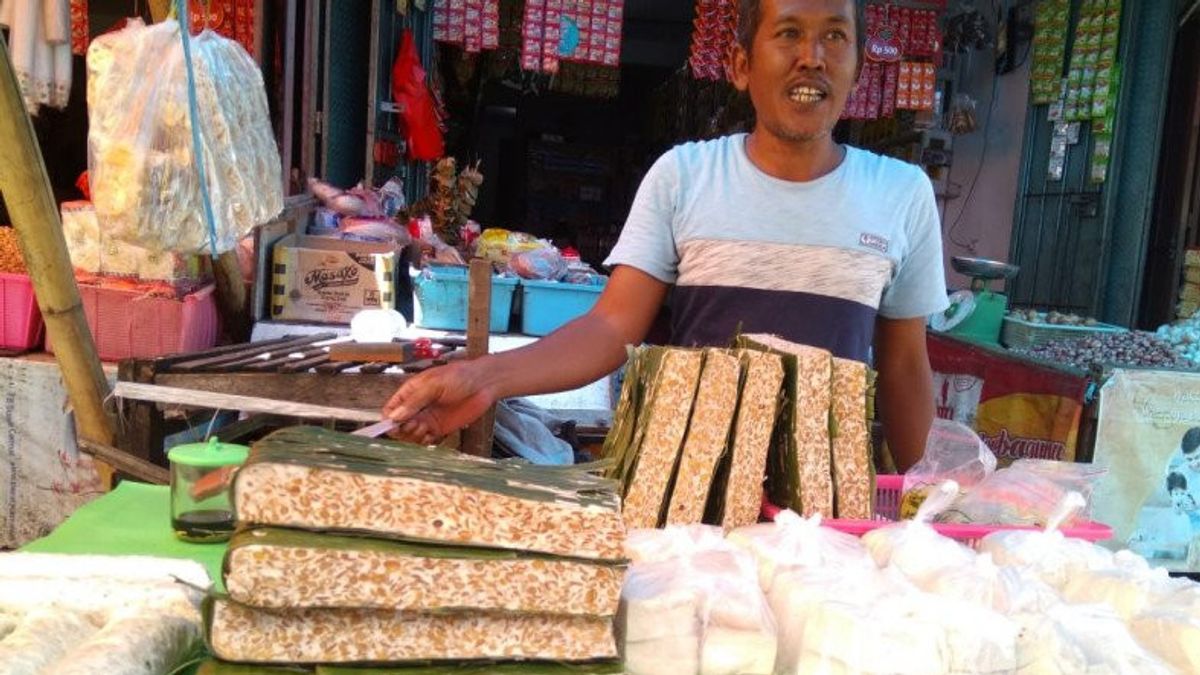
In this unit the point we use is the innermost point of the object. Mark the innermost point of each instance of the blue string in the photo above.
(194, 113)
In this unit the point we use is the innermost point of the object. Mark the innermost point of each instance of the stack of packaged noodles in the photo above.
(353, 551)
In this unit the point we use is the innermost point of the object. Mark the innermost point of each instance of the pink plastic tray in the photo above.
(22, 328)
(887, 511)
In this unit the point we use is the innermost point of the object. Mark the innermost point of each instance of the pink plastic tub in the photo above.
(22, 329)
(134, 325)
(887, 511)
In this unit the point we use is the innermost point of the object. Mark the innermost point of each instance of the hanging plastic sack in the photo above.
(410, 92)
(144, 180)
(794, 541)
(701, 614)
(952, 452)
(916, 549)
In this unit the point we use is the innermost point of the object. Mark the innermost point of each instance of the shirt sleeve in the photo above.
(648, 240)
(919, 287)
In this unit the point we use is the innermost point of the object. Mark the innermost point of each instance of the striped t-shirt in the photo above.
(813, 262)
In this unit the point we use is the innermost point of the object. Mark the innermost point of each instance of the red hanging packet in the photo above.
(411, 93)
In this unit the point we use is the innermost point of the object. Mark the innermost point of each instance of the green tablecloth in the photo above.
(133, 519)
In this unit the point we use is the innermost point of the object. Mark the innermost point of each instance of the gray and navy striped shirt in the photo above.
(812, 262)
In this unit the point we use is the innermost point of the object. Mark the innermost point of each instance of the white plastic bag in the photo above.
(1026, 493)
(675, 541)
(889, 635)
(144, 181)
(1171, 635)
(703, 613)
(916, 549)
(952, 452)
(1106, 642)
(1047, 554)
(794, 541)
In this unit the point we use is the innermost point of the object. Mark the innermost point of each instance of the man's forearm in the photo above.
(578, 354)
(906, 410)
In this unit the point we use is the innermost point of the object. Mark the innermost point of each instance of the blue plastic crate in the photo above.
(441, 293)
(547, 305)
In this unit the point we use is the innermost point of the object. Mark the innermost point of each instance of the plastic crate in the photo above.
(130, 324)
(1021, 333)
(22, 321)
(441, 292)
(888, 490)
(548, 305)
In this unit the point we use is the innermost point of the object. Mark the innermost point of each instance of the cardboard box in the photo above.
(329, 280)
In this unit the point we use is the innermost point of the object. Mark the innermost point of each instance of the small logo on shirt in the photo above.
(878, 242)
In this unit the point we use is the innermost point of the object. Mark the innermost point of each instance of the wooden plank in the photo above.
(221, 401)
(364, 392)
(164, 362)
(374, 368)
(383, 352)
(305, 364)
(477, 437)
(280, 362)
(248, 353)
(333, 368)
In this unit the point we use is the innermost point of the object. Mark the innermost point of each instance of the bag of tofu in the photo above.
(794, 541)
(701, 614)
(952, 452)
(914, 548)
(646, 545)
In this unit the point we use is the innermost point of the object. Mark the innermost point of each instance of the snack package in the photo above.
(953, 452)
(793, 541)
(1026, 493)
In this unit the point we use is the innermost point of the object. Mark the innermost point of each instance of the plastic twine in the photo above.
(194, 115)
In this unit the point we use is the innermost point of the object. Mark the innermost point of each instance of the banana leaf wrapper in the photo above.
(708, 436)
(740, 490)
(285, 569)
(668, 382)
(315, 479)
(244, 634)
(801, 471)
(853, 470)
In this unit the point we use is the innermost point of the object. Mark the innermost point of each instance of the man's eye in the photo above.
(836, 35)
(789, 33)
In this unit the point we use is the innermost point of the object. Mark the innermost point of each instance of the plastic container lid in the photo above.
(212, 454)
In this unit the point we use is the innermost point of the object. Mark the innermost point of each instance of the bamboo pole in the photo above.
(30, 201)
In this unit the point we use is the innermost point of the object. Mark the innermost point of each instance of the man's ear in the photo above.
(739, 65)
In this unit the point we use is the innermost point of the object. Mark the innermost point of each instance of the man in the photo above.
(1185, 463)
(782, 231)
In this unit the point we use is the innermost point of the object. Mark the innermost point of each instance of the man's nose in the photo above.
(811, 53)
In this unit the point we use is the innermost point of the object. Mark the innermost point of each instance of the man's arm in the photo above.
(905, 387)
(443, 400)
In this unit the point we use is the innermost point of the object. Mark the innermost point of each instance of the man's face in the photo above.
(801, 67)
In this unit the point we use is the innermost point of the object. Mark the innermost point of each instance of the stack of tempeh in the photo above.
(695, 432)
(358, 551)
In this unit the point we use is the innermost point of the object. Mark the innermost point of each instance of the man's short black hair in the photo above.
(750, 16)
(1176, 481)
(1191, 440)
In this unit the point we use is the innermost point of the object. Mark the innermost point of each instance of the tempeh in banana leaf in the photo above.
(274, 568)
(245, 634)
(853, 470)
(314, 479)
(801, 473)
(708, 436)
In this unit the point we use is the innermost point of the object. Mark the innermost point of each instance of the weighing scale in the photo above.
(978, 314)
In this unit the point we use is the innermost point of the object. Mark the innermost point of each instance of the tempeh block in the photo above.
(707, 436)
(671, 393)
(280, 569)
(803, 479)
(332, 636)
(756, 415)
(310, 478)
(854, 487)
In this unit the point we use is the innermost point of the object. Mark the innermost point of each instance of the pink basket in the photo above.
(22, 320)
(133, 325)
(887, 511)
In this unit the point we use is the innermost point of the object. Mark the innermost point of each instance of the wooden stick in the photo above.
(35, 216)
(207, 399)
(126, 463)
(477, 438)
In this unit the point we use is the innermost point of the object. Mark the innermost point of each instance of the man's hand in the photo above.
(440, 401)
(905, 388)
(443, 400)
